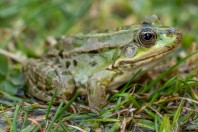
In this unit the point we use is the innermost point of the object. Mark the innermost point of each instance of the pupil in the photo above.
(147, 36)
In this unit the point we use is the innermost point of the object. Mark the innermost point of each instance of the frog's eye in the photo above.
(147, 37)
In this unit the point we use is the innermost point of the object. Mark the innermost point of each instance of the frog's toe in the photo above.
(98, 99)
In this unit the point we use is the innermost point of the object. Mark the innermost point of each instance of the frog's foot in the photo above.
(45, 79)
(97, 88)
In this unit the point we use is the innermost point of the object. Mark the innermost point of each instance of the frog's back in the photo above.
(82, 43)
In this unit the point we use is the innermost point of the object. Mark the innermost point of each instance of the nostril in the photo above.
(171, 30)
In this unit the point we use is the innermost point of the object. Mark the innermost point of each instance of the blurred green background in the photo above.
(31, 21)
(25, 25)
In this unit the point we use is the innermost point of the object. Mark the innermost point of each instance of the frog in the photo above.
(95, 63)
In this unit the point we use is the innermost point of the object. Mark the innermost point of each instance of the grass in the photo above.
(163, 99)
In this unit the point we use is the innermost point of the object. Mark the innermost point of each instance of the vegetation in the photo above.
(164, 99)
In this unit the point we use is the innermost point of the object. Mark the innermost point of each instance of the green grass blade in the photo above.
(118, 104)
(156, 123)
(31, 128)
(68, 104)
(50, 105)
(115, 127)
(14, 123)
(24, 120)
(150, 113)
(126, 95)
(165, 125)
(63, 126)
(102, 120)
(55, 117)
(177, 114)
(6, 117)
(146, 124)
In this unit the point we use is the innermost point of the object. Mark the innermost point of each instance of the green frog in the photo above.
(95, 63)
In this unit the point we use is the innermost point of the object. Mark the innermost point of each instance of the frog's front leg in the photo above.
(44, 78)
(97, 85)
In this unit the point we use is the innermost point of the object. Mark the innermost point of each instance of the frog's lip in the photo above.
(149, 58)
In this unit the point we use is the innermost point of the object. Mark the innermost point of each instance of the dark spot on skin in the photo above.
(93, 63)
(67, 64)
(59, 66)
(75, 62)
(110, 48)
(64, 73)
(145, 23)
(60, 54)
(168, 47)
(94, 52)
